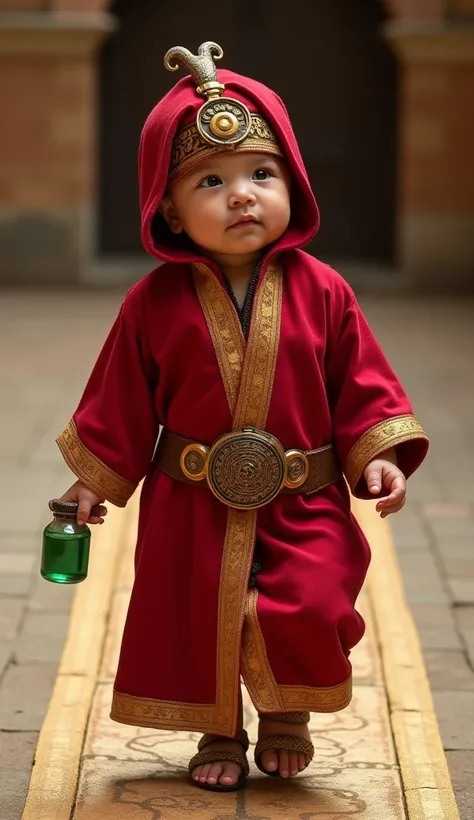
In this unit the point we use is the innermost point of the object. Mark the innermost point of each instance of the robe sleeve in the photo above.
(109, 442)
(371, 411)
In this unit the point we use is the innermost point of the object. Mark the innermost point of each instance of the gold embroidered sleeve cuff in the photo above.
(376, 440)
(90, 470)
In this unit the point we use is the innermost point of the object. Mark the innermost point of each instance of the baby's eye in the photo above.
(210, 182)
(261, 174)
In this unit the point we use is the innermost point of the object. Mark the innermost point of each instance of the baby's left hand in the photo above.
(381, 473)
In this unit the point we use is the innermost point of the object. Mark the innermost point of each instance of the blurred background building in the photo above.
(381, 93)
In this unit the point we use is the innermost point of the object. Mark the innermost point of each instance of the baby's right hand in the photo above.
(91, 509)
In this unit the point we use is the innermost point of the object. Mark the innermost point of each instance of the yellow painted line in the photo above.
(425, 776)
(423, 766)
(53, 783)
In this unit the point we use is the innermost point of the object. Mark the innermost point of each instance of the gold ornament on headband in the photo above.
(221, 120)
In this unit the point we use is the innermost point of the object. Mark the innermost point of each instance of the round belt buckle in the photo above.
(246, 469)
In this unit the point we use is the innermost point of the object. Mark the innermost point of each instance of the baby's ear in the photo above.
(170, 214)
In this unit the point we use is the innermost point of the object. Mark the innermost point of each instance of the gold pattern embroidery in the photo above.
(262, 352)
(225, 330)
(269, 696)
(378, 438)
(232, 354)
(190, 149)
(257, 674)
(320, 699)
(93, 472)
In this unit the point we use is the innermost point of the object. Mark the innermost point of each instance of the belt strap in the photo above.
(323, 468)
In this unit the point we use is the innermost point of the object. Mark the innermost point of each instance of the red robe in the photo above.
(310, 373)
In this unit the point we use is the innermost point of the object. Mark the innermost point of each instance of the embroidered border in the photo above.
(380, 437)
(89, 469)
(262, 351)
(317, 699)
(225, 330)
(257, 674)
(257, 146)
(269, 696)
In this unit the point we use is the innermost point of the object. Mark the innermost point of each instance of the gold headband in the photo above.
(222, 123)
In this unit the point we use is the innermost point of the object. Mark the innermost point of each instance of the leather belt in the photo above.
(247, 468)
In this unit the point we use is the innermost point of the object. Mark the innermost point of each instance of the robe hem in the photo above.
(311, 699)
(266, 694)
(377, 439)
(134, 710)
(294, 698)
(91, 470)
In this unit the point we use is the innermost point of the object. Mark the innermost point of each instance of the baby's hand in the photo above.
(382, 473)
(91, 509)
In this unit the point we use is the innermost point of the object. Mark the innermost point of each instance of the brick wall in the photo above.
(22, 5)
(438, 139)
(46, 140)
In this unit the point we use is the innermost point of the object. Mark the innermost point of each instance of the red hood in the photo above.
(168, 116)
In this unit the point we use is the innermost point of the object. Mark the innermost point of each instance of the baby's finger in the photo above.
(95, 519)
(394, 498)
(374, 480)
(393, 508)
(98, 510)
(83, 511)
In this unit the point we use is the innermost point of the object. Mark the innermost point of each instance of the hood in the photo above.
(178, 108)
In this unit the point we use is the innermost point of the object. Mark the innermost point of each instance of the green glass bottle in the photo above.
(65, 557)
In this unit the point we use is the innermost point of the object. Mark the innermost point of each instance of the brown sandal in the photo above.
(221, 756)
(290, 743)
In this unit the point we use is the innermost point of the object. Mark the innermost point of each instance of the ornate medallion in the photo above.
(246, 469)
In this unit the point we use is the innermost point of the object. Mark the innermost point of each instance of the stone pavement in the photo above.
(47, 345)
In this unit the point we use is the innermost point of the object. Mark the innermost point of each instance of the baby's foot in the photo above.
(225, 773)
(287, 763)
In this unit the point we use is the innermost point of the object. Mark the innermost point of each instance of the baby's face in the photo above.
(234, 203)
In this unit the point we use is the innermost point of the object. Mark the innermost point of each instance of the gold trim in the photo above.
(91, 470)
(269, 696)
(190, 149)
(376, 440)
(246, 372)
(317, 699)
(262, 351)
(224, 328)
(256, 671)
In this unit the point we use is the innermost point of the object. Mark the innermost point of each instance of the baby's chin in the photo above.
(246, 244)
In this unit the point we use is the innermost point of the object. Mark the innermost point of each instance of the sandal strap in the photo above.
(219, 756)
(285, 717)
(241, 737)
(289, 743)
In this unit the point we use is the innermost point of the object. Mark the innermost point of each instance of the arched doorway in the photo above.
(335, 73)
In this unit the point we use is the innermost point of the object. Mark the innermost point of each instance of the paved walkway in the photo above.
(48, 343)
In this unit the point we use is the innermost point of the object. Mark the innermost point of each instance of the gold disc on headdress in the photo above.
(221, 120)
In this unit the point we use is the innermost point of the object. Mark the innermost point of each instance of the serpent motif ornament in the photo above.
(221, 120)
